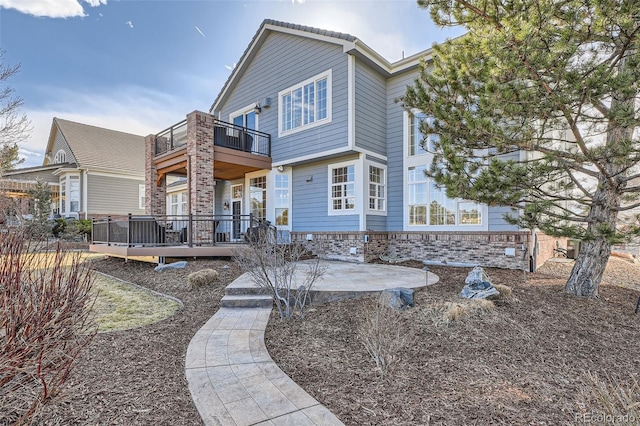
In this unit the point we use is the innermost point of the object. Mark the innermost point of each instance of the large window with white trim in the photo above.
(428, 204)
(343, 188)
(306, 104)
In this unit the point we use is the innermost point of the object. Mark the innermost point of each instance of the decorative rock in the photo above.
(397, 298)
(478, 285)
(174, 265)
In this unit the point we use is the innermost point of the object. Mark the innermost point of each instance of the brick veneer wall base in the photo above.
(482, 248)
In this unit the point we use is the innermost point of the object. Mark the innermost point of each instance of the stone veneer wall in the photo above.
(482, 248)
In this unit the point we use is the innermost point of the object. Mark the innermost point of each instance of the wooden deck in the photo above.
(219, 250)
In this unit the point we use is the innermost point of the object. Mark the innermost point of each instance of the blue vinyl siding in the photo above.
(496, 220)
(310, 200)
(282, 61)
(370, 110)
(376, 223)
(396, 87)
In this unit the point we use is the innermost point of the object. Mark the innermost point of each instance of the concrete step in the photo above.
(238, 291)
(246, 301)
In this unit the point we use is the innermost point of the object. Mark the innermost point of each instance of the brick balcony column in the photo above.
(200, 128)
(155, 195)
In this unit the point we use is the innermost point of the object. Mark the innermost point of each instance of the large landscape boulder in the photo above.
(397, 298)
(478, 285)
(175, 265)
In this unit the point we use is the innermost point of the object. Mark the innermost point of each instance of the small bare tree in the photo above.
(45, 322)
(380, 331)
(278, 269)
(14, 127)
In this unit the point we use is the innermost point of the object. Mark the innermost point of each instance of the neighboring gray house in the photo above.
(332, 159)
(93, 172)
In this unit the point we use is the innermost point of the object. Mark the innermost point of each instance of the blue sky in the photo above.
(140, 66)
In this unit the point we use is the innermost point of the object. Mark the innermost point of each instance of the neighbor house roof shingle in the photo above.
(96, 147)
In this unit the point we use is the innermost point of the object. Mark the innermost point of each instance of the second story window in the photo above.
(418, 142)
(306, 104)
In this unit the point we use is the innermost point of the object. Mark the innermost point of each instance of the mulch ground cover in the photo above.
(524, 362)
(136, 377)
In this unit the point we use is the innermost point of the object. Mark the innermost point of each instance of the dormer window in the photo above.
(61, 157)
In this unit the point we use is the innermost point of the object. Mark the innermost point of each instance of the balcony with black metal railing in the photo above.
(225, 135)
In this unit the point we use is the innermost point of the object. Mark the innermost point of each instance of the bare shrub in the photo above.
(45, 305)
(380, 331)
(278, 269)
(610, 397)
(202, 278)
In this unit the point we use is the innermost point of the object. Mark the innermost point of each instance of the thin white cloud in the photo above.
(200, 31)
(129, 23)
(51, 8)
(95, 3)
(297, 1)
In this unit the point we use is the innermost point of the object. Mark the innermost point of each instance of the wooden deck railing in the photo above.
(173, 230)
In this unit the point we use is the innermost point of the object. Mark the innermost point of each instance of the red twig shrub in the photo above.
(45, 322)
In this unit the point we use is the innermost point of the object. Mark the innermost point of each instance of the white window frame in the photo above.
(425, 159)
(286, 172)
(357, 196)
(326, 74)
(265, 191)
(243, 111)
(383, 184)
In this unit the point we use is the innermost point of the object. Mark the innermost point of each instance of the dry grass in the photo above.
(123, 306)
(202, 278)
(611, 397)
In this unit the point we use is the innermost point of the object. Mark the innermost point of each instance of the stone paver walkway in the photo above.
(232, 378)
(234, 381)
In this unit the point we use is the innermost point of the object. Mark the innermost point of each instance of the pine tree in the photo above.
(537, 108)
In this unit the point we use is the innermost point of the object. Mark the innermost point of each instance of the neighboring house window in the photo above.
(63, 195)
(282, 199)
(258, 197)
(61, 157)
(141, 197)
(305, 104)
(376, 188)
(178, 204)
(74, 193)
(416, 138)
(343, 194)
